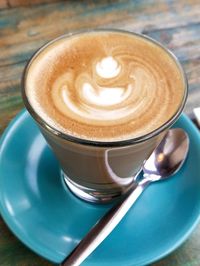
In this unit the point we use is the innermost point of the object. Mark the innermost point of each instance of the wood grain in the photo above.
(15, 3)
(24, 29)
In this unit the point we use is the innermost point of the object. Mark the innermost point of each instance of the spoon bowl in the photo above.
(168, 157)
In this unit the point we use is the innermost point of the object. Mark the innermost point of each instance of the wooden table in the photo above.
(23, 29)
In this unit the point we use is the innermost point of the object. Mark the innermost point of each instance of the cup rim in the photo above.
(88, 142)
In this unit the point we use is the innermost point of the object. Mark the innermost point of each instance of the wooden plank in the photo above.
(3, 4)
(15, 3)
(49, 21)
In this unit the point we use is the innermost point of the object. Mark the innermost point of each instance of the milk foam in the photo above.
(108, 67)
(103, 97)
(105, 86)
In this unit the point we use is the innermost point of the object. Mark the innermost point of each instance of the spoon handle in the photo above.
(104, 227)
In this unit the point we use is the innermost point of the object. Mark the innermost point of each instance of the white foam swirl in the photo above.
(104, 96)
(108, 67)
(104, 101)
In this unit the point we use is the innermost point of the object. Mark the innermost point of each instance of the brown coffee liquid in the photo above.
(104, 85)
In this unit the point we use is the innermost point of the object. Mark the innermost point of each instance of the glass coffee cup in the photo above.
(99, 167)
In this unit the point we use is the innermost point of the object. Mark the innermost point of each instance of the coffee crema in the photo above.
(104, 85)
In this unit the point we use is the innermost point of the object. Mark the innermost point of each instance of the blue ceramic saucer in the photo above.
(51, 221)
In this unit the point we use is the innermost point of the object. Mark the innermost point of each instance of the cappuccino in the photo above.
(103, 100)
(104, 86)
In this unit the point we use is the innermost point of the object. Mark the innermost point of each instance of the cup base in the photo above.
(90, 195)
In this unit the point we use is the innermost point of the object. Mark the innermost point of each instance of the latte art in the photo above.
(105, 86)
(113, 94)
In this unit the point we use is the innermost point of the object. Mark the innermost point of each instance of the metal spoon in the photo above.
(166, 160)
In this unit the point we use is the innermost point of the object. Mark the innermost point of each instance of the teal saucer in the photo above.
(51, 221)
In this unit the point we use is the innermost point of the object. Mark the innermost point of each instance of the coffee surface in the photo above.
(104, 86)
